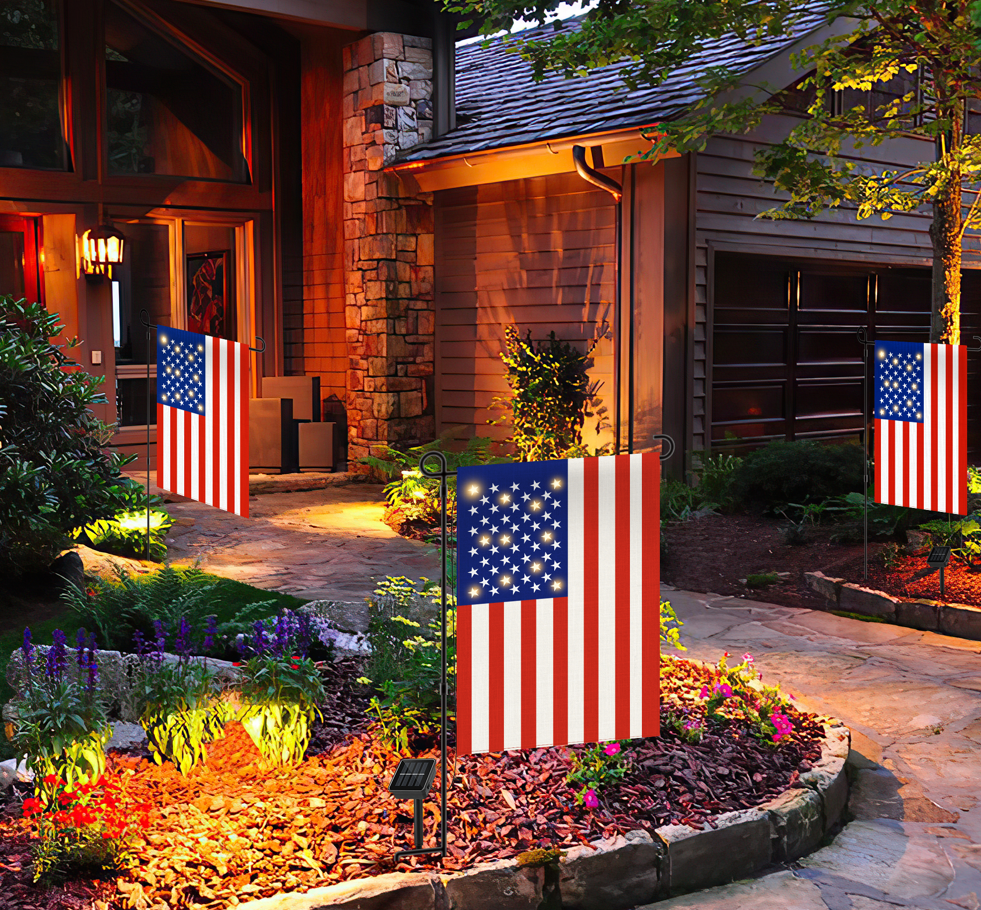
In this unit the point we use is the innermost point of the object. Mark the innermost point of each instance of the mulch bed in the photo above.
(233, 831)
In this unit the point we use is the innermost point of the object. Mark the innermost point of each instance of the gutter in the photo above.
(593, 176)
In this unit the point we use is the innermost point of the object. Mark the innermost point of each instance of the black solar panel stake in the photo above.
(412, 780)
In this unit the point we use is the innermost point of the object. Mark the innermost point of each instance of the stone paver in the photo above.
(328, 544)
(912, 699)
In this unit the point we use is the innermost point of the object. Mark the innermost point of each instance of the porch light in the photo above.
(412, 780)
(102, 248)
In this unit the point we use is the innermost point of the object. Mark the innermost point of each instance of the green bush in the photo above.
(796, 472)
(551, 397)
(415, 495)
(714, 473)
(55, 473)
(115, 609)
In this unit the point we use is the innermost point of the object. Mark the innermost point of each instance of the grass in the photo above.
(762, 580)
(229, 597)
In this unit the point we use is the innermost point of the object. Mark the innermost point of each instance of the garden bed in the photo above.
(231, 831)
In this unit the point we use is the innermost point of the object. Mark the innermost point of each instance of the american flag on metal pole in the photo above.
(558, 592)
(203, 418)
(921, 426)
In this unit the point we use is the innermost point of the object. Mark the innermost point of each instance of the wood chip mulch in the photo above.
(234, 831)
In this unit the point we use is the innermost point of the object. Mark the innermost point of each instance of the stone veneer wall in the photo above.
(388, 245)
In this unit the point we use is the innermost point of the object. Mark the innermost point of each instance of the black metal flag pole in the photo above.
(865, 435)
(145, 319)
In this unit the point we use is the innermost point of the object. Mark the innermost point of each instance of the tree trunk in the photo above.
(945, 233)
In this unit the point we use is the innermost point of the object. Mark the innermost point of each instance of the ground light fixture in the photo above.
(412, 780)
(938, 558)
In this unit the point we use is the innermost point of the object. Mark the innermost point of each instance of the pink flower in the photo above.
(612, 749)
(590, 800)
(704, 693)
(725, 689)
(748, 657)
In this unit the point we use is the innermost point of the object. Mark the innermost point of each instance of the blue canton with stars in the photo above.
(899, 381)
(181, 370)
(512, 532)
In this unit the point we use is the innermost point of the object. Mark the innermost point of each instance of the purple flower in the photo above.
(210, 630)
(139, 642)
(590, 800)
(182, 644)
(160, 633)
(304, 634)
(57, 656)
(258, 641)
(28, 648)
(612, 749)
(92, 668)
(80, 648)
(692, 725)
(281, 645)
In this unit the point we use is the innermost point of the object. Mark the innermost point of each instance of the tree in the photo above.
(921, 58)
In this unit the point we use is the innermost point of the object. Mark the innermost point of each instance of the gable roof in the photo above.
(499, 104)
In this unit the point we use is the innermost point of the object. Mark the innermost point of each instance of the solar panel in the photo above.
(413, 776)
(939, 556)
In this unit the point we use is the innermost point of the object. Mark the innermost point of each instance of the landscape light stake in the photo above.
(145, 319)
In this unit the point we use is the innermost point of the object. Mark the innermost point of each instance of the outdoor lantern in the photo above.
(412, 780)
(938, 558)
(101, 249)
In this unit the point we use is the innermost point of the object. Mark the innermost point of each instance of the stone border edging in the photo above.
(960, 620)
(624, 871)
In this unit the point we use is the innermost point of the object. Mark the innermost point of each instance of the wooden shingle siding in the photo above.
(728, 196)
(538, 253)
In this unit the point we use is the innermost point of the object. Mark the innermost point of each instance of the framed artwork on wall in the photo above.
(210, 300)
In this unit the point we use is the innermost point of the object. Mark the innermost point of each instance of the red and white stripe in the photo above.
(580, 668)
(924, 465)
(206, 457)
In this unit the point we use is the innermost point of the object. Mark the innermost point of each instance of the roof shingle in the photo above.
(499, 104)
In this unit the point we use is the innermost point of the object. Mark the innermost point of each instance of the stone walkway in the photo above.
(912, 699)
(912, 702)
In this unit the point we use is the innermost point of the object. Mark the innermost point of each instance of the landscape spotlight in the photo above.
(938, 558)
(412, 780)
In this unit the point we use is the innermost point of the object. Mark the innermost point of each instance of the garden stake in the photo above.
(145, 319)
(442, 474)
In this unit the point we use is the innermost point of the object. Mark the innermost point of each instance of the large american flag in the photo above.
(558, 623)
(921, 426)
(203, 418)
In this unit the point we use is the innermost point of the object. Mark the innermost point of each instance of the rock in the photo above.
(837, 741)
(796, 822)
(828, 588)
(407, 891)
(828, 778)
(917, 540)
(961, 620)
(496, 886)
(918, 614)
(699, 859)
(11, 770)
(856, 599)
(620, 872)
(69, 568)
(125, 735)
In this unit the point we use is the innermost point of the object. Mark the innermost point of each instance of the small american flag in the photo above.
(921, 426)
(558, 623)
(203, 418)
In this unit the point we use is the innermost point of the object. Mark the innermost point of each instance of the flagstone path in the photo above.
(912, 699)
(913, 702)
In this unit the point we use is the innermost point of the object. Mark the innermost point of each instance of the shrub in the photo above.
(714, 473)
(115, 609)
(416, 496)
(55, 474)
(800, 472)
(551, 397)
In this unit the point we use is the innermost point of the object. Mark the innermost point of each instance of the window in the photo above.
(30, 79)
(167, 111)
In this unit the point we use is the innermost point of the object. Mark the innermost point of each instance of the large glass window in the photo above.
(168, 112)
(30, 76)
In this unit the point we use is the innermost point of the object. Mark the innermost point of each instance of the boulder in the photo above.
(69, 568)
(496, 886)
(620, 872)
(406, 891)
(828, 588)
(867, 602)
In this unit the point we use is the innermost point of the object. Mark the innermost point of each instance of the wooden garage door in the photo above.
(786, 363)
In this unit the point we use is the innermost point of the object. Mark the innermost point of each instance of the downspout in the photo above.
(593, 176)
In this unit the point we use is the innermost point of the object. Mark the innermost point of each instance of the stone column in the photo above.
(388, 245)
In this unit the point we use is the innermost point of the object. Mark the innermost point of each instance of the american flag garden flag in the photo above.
(203, 418)
(558, 592)
(921, 426)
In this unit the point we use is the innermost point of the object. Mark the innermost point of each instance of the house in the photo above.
(231, 145)
(722, 329)
(377, 204)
